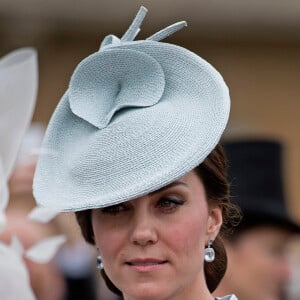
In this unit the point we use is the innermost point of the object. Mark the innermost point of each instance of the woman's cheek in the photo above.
(185, 237)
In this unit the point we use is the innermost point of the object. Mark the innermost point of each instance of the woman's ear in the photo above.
(214, 222)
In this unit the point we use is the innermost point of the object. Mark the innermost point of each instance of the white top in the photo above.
(229, 297)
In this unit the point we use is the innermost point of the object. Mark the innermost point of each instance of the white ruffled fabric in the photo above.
(18, 90)
(42, 214)
(14, 277)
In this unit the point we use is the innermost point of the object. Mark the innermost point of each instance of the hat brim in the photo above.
(253, 221)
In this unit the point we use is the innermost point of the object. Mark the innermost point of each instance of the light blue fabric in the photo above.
(137, 115)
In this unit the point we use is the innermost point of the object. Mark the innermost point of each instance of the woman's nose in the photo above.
(144, 228)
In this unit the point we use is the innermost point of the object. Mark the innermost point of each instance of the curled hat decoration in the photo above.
(136, 116)
(136, 80)
(95, 94)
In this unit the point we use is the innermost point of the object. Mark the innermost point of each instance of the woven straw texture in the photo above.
(137, 115)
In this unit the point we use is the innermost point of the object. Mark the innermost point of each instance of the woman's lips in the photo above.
(146, 265)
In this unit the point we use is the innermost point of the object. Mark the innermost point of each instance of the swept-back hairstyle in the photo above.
(213, 173)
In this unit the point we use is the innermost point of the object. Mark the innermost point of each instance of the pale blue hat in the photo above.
(137, 115)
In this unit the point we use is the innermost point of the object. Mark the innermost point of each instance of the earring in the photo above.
(99, 263)
(209, 252)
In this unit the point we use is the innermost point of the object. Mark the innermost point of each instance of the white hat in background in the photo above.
(18, 91)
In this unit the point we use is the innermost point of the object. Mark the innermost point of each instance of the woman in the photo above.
(133, 150)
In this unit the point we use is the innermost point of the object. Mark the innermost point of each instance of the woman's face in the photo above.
(153, 246)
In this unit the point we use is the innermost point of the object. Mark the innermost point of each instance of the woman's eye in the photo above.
(169, 203)
(114, 209)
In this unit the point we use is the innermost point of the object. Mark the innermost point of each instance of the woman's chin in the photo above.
(146, 291)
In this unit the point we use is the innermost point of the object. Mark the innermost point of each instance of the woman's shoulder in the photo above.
(229, 297)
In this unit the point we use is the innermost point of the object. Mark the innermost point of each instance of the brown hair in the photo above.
(213, 173)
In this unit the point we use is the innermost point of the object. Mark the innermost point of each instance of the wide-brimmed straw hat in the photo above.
(137, 115)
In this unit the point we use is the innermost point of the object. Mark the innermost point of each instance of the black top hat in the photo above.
(255, 175)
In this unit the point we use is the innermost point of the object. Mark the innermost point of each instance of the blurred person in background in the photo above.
(258, 267)
(46, 280)
(72, 273)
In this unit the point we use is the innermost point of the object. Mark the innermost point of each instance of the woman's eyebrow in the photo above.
(173, 184)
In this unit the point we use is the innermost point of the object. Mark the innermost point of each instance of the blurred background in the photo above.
(254, 44)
